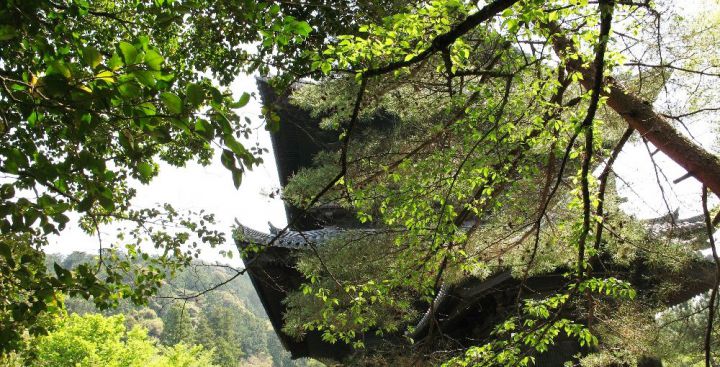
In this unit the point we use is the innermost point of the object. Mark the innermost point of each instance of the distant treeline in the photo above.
(226, 326)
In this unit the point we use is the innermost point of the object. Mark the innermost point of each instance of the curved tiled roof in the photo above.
(290, 239)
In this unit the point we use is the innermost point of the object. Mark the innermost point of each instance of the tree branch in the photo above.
(444, 40)
(639, 114)
(606, 12)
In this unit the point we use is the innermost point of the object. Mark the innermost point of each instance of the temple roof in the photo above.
(465, 311)
(272, 269)
(288, 239)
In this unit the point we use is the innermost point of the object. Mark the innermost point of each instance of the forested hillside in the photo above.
(224, 327)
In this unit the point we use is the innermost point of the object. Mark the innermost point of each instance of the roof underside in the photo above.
(468, 308)
(272, 270)
(467, 311)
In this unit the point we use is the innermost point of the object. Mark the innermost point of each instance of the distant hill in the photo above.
(230, 320)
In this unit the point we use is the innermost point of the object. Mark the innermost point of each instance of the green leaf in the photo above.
(303, 28)
(195, 94)
(63, 274)
(85, 88)
(7, 191)
(325, 67)
(147, 109)
(32, 119)
(153, 59)
(129, 90)
(272, 120)
(92, 56)
(7, 32)
(5, 251)
(204, 128)
(106, 76)
(237, 177)
(115, 62)
(172, 102)
(237, 148)
(274, 9)
(83, 6)
(58, 68)
(129, 52)
(164, 77)
(244, 99)
(227, 158)
(146, 78)
(146, 171)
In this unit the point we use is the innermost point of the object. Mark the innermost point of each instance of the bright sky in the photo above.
(195, 187)
(638, 181)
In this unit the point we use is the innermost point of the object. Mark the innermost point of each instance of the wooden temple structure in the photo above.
(467, 312)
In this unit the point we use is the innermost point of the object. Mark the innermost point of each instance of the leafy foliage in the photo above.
(26, 288)
(229, 324)
(94, 94)
(483, 172)
(93, 340)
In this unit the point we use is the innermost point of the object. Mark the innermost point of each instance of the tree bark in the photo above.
(639, 114)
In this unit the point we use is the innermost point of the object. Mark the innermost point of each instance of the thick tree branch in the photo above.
(603, 184)
(444, 40)
(639, 114)
(606, 11)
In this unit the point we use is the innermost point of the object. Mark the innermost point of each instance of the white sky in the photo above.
(195, 187)
(640, 187)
